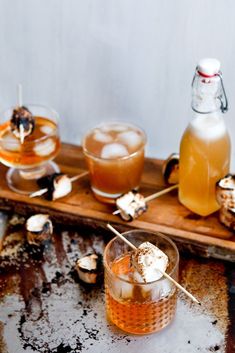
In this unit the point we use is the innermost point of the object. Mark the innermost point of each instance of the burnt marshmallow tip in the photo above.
(22, 122)
(39, 229)
(89, 268)
(131, 205)
(58, 185)
(170, 169)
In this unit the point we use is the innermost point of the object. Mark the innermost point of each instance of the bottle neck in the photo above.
(206, 105)
(208, 94)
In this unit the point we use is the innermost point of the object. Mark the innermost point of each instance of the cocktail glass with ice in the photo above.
(132, 305)
(32, 158)
(114, 154)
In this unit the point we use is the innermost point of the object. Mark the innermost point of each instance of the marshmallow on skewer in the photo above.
(22, 123)
(56, 185)
(131, 205)
(149, 262)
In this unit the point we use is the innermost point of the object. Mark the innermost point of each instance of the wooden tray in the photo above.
(201, 235)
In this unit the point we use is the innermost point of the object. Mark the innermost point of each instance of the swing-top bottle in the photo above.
(205, 145)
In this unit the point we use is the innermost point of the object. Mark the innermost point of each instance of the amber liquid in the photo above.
(111, 177)
(42, 145)
(203, 161)
(139, 314)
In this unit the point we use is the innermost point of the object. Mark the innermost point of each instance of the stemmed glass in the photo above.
(33, 157)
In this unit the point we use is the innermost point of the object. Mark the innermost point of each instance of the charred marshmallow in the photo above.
(131, 205)
(39, 228)
(149, 262)
(22, 123)
(225, 191)
(227, 217)
(88, 268)
(170, 169)
(58, 185)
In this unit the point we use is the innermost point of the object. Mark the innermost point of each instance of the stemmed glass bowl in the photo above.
(32, 159)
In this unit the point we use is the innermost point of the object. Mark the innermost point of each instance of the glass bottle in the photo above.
(205, 145)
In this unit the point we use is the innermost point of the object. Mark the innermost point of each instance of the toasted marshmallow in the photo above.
(62, 186)
(89, 268)
(131, 205)
(227, 217)
(149, 262)
(58, 185)
(225, 191)
(170, 169)
(39, 228)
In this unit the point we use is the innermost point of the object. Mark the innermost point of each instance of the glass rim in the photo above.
(163, 236)
(93, 155)
(33, 105)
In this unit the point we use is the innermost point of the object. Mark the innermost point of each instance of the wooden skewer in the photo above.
(21, 134)
(76, 177)
(19, 95)
(154, 196)
(20, 103)
(162, 272)
(43, 191)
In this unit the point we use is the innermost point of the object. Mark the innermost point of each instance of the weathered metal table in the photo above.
(43, 308)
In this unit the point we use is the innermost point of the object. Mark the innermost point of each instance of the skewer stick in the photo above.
(43, 191)
(160, 193)
(20, 95)
(154, 196)
(121, 236)
(21, 134)
(162, 272)
(76, 177)
(20, 103)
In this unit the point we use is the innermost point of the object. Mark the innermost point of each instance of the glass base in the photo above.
(24, 181)
(106, 197)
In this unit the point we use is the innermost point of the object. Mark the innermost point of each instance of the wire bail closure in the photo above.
(224, 103)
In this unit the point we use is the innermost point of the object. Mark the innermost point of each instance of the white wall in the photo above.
(95, 60)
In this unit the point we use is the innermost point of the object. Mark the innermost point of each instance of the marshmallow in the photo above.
(131, 205)
(149, 262)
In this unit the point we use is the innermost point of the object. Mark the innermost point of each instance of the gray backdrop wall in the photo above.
(95, 60)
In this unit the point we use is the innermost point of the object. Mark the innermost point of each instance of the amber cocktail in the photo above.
(32, 158)
(114, 154)
(139, 308)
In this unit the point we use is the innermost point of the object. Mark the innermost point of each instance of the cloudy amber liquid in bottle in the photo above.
(204, 159)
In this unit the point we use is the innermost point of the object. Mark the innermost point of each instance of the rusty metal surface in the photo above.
(44, 308)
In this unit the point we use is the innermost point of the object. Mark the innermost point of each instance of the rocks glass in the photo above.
(114, 153)
(139, 308)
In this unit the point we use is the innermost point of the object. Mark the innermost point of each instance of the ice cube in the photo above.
(121, 289)
(114, 150)
(157, 290)
(11, 144)
(45, 148)
(130, 138)
(161, 289)
(114, 127)
(47, 130)
(102, 137)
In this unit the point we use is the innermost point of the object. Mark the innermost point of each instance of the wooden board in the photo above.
(165, 214)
